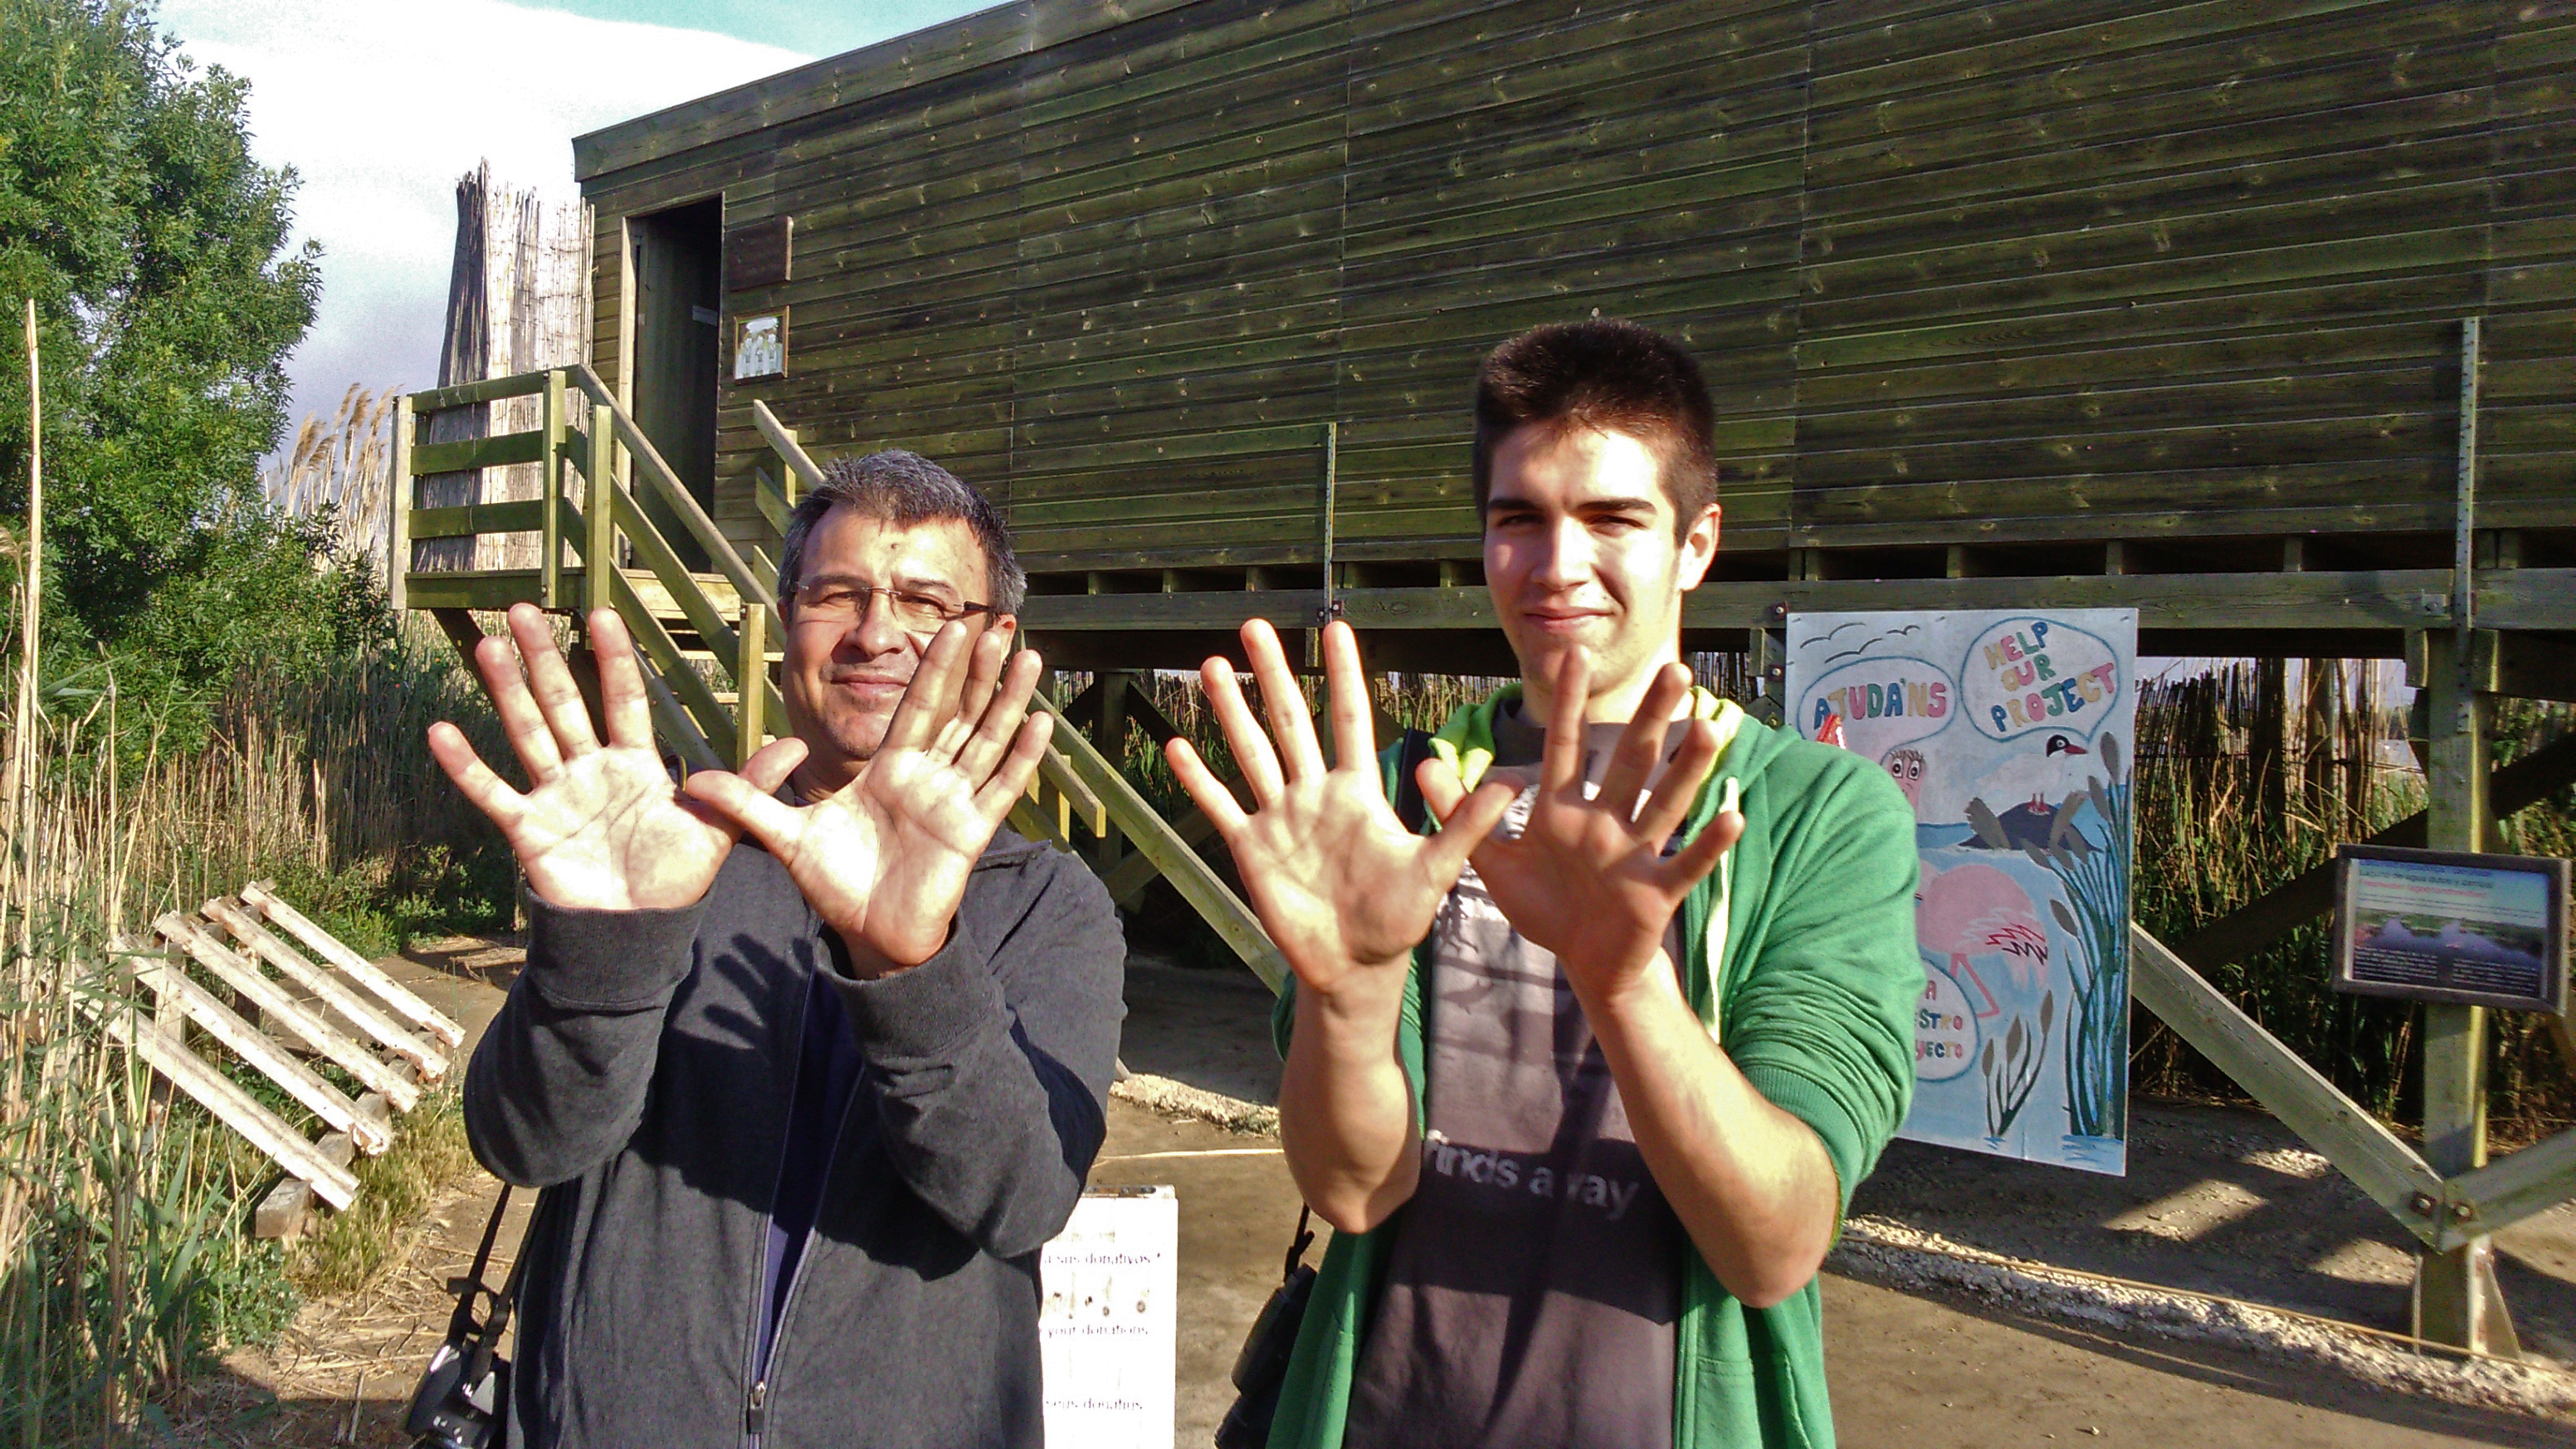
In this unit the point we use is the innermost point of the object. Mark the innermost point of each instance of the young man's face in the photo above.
(1580, 553)
(844, 675)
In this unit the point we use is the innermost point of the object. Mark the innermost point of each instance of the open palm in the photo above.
(884, 861)
(600, 826)
(1587, 878)
(1338, 882)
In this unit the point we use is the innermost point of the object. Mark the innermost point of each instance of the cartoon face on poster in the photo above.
(2009, 732)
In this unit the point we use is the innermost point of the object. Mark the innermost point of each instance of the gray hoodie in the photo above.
(643, 1069)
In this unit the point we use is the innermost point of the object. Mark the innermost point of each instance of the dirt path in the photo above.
(2217, 1201)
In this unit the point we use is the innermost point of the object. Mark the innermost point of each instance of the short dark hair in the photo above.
(1602, 375)
(903, 489)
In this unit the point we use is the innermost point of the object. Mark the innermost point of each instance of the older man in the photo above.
(807, 1107)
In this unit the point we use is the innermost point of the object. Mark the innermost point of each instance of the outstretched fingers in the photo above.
(998, 716)
(1679, 786)
(1641, 744)
(550, 680)
(1701, 856)
(474, 780)
(1205, 790)
(771, 764)
(1354, 722)
(1243, 733)
(1283, 701)
(1011, 779)
(1561, 760)
(741, 802)
(628, 712)
(1467, 818)
(930, 701)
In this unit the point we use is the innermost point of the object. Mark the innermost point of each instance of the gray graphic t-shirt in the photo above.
(1532, 1287)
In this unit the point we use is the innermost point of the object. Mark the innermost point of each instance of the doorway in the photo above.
(678, 298)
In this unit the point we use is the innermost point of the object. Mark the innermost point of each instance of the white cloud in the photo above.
(380, 106)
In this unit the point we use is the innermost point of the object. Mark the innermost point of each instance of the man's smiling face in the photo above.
(1580, 553)
(842, 678)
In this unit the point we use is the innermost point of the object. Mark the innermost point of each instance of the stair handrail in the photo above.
(782, 441)
(683, 503)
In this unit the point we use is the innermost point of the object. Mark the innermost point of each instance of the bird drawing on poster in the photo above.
(2038, 787)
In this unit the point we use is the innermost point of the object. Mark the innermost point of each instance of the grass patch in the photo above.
(353, 1249)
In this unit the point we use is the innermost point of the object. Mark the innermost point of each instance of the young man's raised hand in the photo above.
(1344, 889)
(1587, 878)
(600, 826)
(884, 860)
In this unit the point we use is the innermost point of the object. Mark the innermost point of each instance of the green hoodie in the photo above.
(1813, 996)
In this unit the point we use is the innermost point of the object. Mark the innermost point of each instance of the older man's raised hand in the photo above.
(884, 860)
(600, 826)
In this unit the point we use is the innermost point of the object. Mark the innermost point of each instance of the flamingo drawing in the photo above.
(1970, 911)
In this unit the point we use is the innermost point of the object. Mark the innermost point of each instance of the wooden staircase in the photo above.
(708, 638)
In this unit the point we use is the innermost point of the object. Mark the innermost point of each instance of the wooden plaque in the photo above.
(759, 254)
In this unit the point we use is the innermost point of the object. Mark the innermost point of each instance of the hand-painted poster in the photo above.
(2010, 733)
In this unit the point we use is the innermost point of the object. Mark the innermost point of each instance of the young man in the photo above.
(1586, 1094)
(808, 1108)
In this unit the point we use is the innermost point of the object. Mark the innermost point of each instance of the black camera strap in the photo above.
(485, 1334)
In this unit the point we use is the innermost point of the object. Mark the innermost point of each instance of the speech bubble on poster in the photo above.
(2026, 675)
(1883, 703)
(1945, 1029)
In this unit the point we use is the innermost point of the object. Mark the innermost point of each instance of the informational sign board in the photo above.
(2010, 733)
(2431, 925)
(1107, 1334)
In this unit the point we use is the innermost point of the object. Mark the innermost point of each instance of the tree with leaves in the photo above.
(155, 248)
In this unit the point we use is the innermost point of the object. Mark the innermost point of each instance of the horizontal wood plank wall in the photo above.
(2039, 270)
(2527, 413)
(1178, 287)
(2095, 270)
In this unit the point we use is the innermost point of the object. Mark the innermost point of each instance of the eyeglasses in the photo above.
(834, 601)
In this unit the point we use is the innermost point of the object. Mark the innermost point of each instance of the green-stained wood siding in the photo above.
(2049, 270)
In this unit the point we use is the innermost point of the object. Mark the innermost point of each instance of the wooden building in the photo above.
(2258, 316)
(2166, 297)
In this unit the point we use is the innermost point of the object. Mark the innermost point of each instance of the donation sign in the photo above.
(2429, 925)
(2010, 734)
(1106, 1330)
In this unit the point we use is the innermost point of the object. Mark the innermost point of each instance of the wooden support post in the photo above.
(599, 483)
(2456, 1298)
(750, 682)
(1109, 734)
(550, 480)
(403, 492)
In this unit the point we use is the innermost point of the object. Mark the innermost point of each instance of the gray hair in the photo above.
(904, 489)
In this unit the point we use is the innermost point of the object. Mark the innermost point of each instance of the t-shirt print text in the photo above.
(1504, 1172)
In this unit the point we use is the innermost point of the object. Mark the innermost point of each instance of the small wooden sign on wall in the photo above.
(759, 253)
(760, 346)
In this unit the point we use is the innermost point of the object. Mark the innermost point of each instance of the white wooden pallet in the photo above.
(297, 993)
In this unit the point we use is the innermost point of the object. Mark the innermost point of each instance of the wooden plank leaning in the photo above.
(2358, 1144)
(1179, 864)
(426, 1058)
(2509, 1189)
(262, 1051)
(231, 1105)
(392, 993)
(275, 1003)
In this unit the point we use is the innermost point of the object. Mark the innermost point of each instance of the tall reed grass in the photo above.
(124, 1259)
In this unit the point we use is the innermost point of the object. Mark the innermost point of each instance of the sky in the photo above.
(379, 106)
